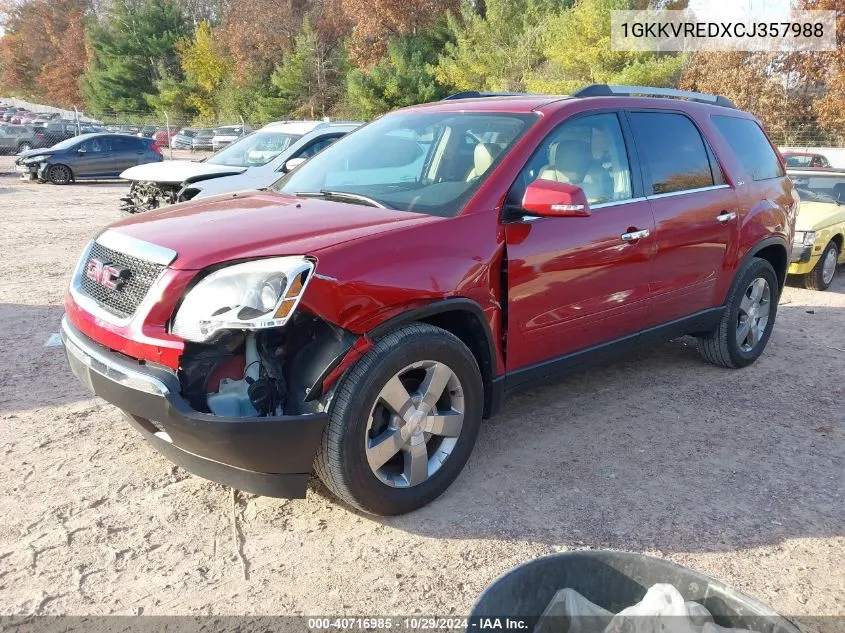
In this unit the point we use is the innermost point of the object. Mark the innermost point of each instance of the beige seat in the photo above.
(572, 161)
(483, 156)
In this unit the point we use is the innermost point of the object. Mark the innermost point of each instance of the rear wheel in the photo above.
(59, 174)
(822, 274)
(403, 421)
(749, 317)
(24, 147)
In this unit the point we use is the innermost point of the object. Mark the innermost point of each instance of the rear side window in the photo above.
(672, 151)
(122, 144)
(751, 147)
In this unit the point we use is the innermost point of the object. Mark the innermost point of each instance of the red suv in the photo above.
(371, 308)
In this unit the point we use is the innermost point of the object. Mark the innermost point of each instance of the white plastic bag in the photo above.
(662, 610)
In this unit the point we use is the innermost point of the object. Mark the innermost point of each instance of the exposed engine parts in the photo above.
(265, 373)
(146, 196)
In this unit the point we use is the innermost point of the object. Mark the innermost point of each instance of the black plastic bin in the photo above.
(613, 580)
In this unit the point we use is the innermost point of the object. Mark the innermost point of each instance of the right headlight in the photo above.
(251, 296)
(805, 238)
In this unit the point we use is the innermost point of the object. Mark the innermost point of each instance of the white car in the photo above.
(227, 135)
(254, 162)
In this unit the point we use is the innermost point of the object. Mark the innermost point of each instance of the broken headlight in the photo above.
(251, 296)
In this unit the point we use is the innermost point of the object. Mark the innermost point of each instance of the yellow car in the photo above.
(820, 229)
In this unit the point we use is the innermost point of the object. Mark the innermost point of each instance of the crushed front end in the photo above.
(227, 392)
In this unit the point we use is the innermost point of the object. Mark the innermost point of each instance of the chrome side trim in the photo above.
(657, 196)
(137, 248)
(616, 203)
(84, 353)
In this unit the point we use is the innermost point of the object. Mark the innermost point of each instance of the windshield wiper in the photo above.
(340, 195)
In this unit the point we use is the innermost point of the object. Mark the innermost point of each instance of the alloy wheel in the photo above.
(59, 174)
(829, 266)
(414, 424)
(753, 314)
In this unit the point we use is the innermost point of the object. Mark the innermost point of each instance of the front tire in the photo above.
(403, 421)
(747, 323)
(59, 175)
(823, 272)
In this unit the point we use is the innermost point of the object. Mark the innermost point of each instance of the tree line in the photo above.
(217, 60)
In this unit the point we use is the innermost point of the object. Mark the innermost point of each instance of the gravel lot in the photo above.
(738, 474)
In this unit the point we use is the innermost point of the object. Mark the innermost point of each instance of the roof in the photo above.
(292, 127)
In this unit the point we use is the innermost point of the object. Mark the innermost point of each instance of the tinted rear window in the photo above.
(751, 147)
(121, 143)
(672, 150)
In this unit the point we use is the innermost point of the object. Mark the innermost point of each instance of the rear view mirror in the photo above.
(292, 164)
(549, 198)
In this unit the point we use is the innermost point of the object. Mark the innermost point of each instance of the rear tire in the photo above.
(824, 271)
(59, 174)
(749, 317)
(24, 147)
(389, 459)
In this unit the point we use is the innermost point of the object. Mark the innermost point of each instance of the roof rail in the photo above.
(604, 90)
(475, 94)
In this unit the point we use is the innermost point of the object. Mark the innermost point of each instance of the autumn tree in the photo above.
(42, 52)
(748, 79)
(816, 80)
(377, 22)
(257, 33)
(403, 77)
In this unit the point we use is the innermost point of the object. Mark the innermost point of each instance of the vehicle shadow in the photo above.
(661, 451)
(33, 375)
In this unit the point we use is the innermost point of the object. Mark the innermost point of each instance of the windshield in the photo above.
(821, 188)
(254, 150)
(67, 143)
(416, 161)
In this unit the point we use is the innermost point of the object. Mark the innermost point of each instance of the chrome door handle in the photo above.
(726, 216)
(633, 236)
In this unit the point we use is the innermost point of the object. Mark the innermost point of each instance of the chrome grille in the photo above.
(124, 301)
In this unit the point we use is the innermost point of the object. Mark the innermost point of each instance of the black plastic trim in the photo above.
(457, 304)
(268, 455)
(548, 370)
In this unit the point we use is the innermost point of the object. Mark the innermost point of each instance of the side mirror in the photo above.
(81, 151)
(292, 164)
(549, 198)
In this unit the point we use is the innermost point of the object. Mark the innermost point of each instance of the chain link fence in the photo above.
(181, 136)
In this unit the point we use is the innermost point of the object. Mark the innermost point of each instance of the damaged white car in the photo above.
(254, 162)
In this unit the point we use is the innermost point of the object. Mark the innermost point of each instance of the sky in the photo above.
(723, 7)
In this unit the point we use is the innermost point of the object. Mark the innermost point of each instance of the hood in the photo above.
(259, 224)
(178, 171)
(251, 179)
(815, 216)
(44, 151)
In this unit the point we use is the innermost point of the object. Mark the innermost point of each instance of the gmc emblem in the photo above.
(106, 274)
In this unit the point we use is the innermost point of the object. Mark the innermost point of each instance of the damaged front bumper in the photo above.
(270, 456)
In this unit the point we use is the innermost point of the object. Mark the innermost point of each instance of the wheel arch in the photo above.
(465, 319)
(774, 250)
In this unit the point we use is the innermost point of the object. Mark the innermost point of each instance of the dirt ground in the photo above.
(738, 474)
